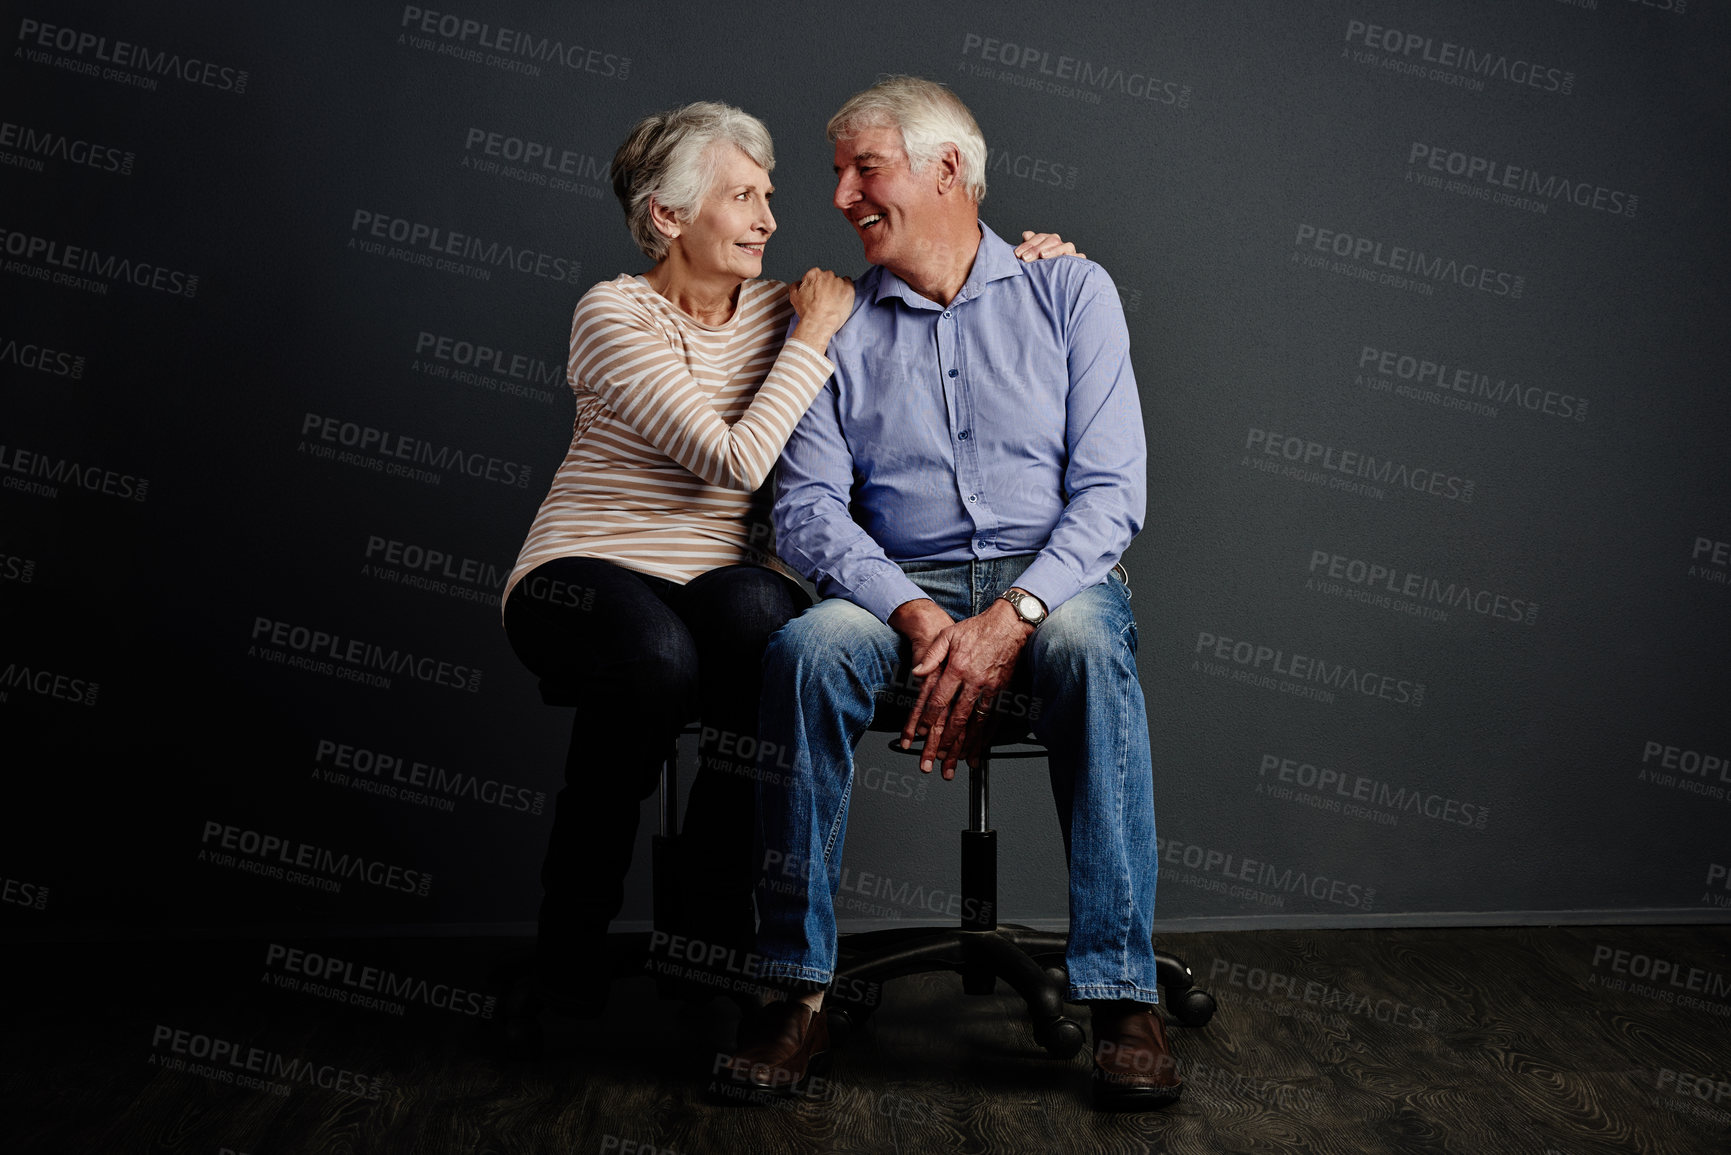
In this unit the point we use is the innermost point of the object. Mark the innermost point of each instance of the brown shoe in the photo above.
(1133, 1067)
(779, 1047)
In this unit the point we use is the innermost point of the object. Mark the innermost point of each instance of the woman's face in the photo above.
(726, 237)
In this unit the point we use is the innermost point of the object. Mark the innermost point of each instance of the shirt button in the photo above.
(973, 497)
(946, 314)
(963, 435)
(952, 372)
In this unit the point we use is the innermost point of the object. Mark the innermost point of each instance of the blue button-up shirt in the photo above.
(1003, 423)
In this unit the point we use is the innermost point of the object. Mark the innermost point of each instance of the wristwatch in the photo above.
(1028, 607)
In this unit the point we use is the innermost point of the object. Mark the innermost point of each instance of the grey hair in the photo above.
(928, 115)
(671, 159)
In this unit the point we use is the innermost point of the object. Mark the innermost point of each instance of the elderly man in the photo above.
(960, 492)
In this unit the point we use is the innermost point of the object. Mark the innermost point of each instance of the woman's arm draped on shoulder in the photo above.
(616, 352)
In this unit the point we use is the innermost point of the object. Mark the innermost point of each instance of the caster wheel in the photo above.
(1194, 1007)
(1061, 1037)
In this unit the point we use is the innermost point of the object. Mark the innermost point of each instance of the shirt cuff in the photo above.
(883, 595)
(1048, 580)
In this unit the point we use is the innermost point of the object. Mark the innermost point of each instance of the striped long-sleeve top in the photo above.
(678, 424)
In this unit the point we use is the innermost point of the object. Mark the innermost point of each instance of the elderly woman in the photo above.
(648, 578)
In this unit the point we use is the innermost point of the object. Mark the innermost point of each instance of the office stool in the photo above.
(981, 950)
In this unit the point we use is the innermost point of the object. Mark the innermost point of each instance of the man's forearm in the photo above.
(1087, 542)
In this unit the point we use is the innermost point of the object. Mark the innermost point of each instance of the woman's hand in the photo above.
(1039, 246)
(823, 302)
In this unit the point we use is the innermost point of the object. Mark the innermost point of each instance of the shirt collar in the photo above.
(994, 261)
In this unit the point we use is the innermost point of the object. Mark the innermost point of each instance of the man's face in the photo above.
(885, 201)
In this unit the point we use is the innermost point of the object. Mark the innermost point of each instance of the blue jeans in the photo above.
(824, 673)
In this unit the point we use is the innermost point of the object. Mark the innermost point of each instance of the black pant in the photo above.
(648, 656)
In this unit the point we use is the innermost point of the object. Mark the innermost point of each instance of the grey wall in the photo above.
(1428, 306)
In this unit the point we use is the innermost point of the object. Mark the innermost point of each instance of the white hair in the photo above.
(928, 115)
(671, 159)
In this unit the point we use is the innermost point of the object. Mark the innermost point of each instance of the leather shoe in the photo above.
(1133, 1067)
(780, 1046)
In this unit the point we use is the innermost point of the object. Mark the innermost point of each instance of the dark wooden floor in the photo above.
(1541, 1041)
